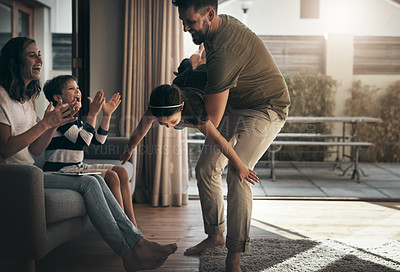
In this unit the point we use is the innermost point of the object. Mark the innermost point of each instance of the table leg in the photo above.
(273, 151)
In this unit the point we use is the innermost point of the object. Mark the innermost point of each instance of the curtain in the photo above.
(153, 49)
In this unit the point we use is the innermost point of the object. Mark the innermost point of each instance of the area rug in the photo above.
(303, 255)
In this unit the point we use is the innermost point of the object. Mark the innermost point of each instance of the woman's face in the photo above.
(170, 121)
(31, 63)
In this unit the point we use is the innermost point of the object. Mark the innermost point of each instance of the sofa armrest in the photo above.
(22, 209)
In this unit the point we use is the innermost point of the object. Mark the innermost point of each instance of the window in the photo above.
(15, 26)
(295, 53)
(376, 55)
(5, 24)
(62, 51)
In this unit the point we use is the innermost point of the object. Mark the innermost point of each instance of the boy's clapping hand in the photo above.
(112, 104)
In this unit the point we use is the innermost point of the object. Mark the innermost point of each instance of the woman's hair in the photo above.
(11, 66)
(165, 100)
(55, 86)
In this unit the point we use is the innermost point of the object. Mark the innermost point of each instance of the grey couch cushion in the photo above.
(63, 204)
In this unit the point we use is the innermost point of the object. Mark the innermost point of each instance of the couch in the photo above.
(37, 220)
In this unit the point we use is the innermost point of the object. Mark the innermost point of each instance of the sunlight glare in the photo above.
(340, 16)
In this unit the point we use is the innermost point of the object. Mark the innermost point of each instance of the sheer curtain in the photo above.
(153, 50)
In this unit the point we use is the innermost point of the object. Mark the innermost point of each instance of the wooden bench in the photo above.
(340, 142)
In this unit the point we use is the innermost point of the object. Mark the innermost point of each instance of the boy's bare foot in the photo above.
(232, 262)
(146, 255)
(210, 241)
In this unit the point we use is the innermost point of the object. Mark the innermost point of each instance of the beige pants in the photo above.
(250, 132)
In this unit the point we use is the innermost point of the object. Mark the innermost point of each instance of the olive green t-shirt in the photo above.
(238, 60)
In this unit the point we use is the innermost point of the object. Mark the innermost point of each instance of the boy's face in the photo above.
(72, 94)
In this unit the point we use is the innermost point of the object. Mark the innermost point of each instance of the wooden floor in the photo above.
(271, 218)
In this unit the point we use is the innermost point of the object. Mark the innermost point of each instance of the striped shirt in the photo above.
(66, 146)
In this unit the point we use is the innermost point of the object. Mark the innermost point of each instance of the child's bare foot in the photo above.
(147, 255)
(210, 241)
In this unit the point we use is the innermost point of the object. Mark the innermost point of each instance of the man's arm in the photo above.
(215, 106)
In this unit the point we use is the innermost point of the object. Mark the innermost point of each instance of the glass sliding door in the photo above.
(5, 23)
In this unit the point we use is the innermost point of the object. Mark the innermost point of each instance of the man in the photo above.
(247, 99)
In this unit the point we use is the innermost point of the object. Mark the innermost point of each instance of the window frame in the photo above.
(16, 6)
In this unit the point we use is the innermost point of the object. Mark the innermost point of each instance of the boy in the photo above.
(65, 151)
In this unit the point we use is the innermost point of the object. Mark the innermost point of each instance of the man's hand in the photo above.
(246, 174)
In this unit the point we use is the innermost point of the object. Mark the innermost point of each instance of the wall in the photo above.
(43, 40)
(61, 15)
(106, 51)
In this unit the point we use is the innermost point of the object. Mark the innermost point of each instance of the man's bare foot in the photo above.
(210, 241)
(232, 262)
(146, 255)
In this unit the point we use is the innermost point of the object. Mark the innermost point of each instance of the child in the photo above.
(65, 151)
(177, 107)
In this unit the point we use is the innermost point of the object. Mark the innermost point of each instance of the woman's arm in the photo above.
(244, 173)
(137, 135)
(10, 145)
(40, 144)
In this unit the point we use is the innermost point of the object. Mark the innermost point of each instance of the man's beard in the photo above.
(199, 37)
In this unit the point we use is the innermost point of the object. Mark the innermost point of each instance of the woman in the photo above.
(20, 65)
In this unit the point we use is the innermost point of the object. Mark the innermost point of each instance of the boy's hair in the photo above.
(11, 67)
(196, 4)
(55, 86)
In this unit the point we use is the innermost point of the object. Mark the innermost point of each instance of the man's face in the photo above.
(195, 23)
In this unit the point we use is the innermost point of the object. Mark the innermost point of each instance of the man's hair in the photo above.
(11, 67)
(55, 86)
(196, 4)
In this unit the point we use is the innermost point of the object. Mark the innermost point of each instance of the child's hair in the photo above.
(55, 86)
(165, 100)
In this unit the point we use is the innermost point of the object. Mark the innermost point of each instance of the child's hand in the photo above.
(246, 174)
(96, 104)
(125, 157)
(112, 104)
